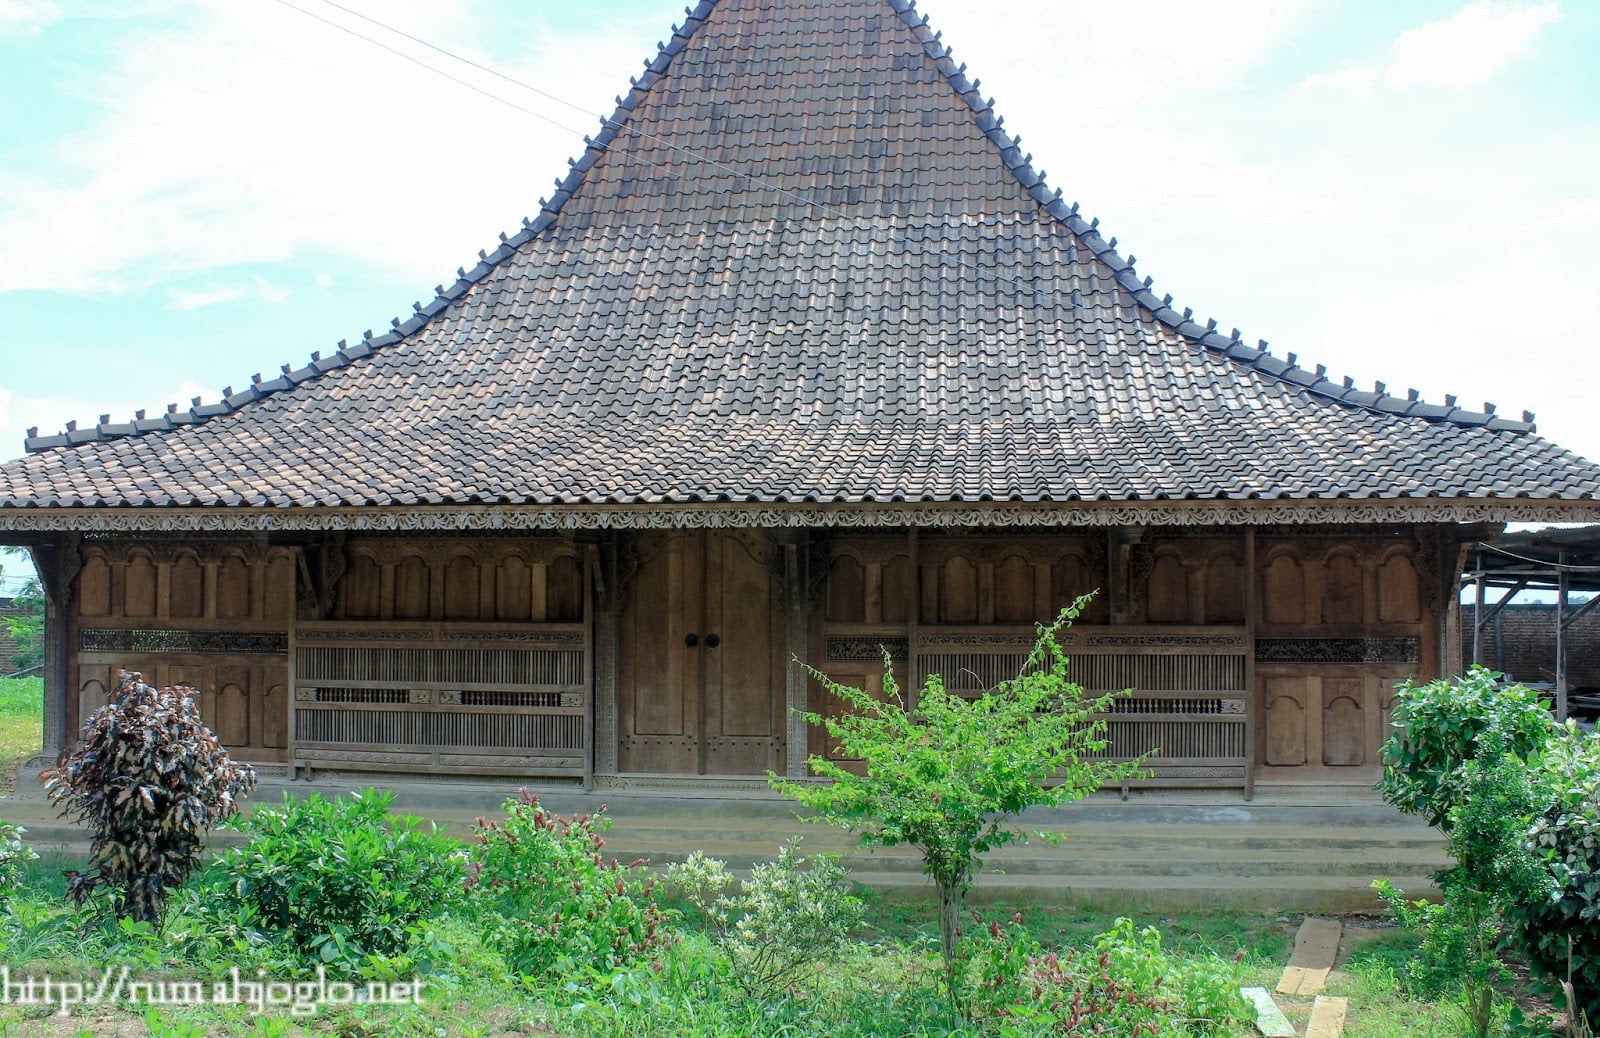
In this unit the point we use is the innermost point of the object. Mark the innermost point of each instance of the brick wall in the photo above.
(1527, 645)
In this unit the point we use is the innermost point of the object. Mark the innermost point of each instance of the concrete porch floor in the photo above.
(1294, 846)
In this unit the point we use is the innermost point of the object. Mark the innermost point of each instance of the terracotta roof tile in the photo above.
(804, 261)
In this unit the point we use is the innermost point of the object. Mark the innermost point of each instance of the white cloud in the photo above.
(196, 298)
(253, 134)
(190, 299)
(1467, 49)
(50, 414)
(26, 17)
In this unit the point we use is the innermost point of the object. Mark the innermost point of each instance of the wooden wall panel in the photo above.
(1015, 600)
(1344, 729)
(1398, 585)
(1168, 596)
(235, 588)
(139, 586)
(1285, 702)
(188, 584)
(1284, 596)
(1224, 590)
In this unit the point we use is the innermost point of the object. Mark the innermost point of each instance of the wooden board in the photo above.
(1315, 948)
(1327, 1017)
(1270, 1020)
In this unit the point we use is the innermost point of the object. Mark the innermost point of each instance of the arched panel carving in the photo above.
(847, 590)
(564, 593)
(232, 718)
(1343, 725)
(1225, 589)
(1071, 576)
(188, 587)
(234, 589)
(360, 598)
(1342, 592)
(898, 591)
(1286, 721)
(1284, 591)
(274, 721)
(1399, 598)
(94, 586)
(412, 592)
(139, 585)
(513, 589)
(958, 591)
(1168, 591)
(280, 586)
(462, 584)
(1014, 598)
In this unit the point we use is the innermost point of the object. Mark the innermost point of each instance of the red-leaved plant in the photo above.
(149, 779)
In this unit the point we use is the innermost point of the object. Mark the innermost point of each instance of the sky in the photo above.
(193, 192)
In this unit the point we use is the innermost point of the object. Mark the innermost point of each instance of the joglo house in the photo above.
(801, 360)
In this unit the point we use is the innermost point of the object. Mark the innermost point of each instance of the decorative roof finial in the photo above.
(1449, 400)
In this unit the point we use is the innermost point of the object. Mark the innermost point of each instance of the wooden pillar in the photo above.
(1254, 706)
(591, 589)
(606, 630)
(913, 617)
(797, 615)
(1477, 607)
(57, 569)
(1561, 636)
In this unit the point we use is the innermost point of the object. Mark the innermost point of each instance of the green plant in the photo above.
(1460, 758)
(1127, 985)
(149, 779)
(337, 881)
(793, 914)
(552, 903)
(1560, 933)
(1441, 725)
(13, 856)
(947, 775)
(26, 630)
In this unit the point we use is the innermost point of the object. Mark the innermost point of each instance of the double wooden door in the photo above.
(701, 674)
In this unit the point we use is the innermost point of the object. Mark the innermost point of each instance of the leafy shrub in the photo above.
(791, 915)
(149, 779)
(552, 903)
(13, 855)
(1562, 931)
(335, 881)
(1461, 759)
(948, 774)
(1443, 724)
(1126, 986)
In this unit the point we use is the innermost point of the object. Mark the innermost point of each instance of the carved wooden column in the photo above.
(57, 565)
(797, 617)
(612, 564)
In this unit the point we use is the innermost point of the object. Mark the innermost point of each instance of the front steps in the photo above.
(1303, 848)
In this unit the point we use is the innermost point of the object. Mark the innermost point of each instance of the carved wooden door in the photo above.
(701, 676)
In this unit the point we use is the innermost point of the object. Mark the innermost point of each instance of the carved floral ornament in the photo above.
(667, 517)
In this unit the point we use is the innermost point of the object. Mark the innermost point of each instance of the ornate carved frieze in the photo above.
(516, 637)
(362, 634)
(103, 639)
(1338, 650)
(1167, 640)
(1022, 641)
(563, 518)
(842, 649)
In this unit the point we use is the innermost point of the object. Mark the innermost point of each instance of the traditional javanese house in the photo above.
(802, 358)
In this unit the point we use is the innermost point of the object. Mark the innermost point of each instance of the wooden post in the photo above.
(1561, 636)
(591, 580)
(1477, 608)
(1254, 705)
(913, 617)
(797, 608)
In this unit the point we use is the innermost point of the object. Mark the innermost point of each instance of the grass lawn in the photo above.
(885, 983)
(21, 726)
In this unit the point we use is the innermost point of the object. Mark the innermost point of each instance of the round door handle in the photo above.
(712, 641)
(691, 640)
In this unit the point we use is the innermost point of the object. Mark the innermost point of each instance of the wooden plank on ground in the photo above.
(1315, 948)
(1327, 1017)
(1270, 1020)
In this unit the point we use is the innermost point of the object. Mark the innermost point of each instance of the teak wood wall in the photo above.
(1248, 652)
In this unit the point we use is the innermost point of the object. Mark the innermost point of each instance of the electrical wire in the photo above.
(1558, 566)
(957, 263)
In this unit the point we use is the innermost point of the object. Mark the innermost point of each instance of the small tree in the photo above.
(26, 630)
(149, 779)
(947, 775)
(1460, 758)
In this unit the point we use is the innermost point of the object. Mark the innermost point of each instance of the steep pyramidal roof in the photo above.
(803, 262)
